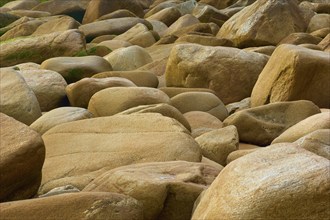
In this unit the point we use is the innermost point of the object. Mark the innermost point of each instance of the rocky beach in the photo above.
(165, 109)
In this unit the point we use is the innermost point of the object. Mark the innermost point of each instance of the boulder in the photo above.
(59, 116)
(110, 142)
(6, 19)
(17, 98)
(192, 65)
(218, 144)
(111, 101)
(22, 155)
(294, 73)
(261, 125)
(129, 58)
(238, 106)
(30, 13)
(183, 22)
(167, 190)
(238, 154)
(200, 101)
(25, 29)
(97, 8)
(139, 78)
(204, 40)
(121, 13)
(79, 93)
(218, 4)
(254, 25)
(21, 4)
(207, 13)
(168, 16)
(115, 44)
(279, 182)
(60, 190)
(325, 43)
(300, 38)
(173, 91)
(40, 48)
(84, 205)
(318, 22)
(304, 127)
(267, 50)
(48, 86)
(76, 68)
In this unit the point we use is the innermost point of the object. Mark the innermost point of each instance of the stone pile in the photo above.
(165, 109)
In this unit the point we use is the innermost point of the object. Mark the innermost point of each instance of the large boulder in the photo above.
(76, 68)
(97, 8)
(22, 154)
(17, 98)
(21, 4)
(24, 29)
(39, 48)
(294, 73)
(59, 116)
(279, 182)
(304, 127)
(77, 152)
(86, 205)
(261, 125)
(255, 24)
(318, 22)
(168, 16)
(111, 101)
(167, 190)
(232, 79)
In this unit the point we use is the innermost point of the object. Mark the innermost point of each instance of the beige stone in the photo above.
(182, 22)
(115, 44)
(121, 13)
(21, 4)
(22, 155)
(318, 22)
(25, 29)
(238, 154)
(300, 38)
(261, 125)
(168, 16)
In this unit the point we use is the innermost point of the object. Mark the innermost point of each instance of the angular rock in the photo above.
(76, 68)
(261, 125)
(304, 127)
(232, 79)
(210, 14)
(294, 73)
(79, 93)
(218, 144)
(200, 101)
(83, 205)
(59, 116)
(110, 142)
(167, 190)
(39, 48)
(129, 58)
(273, 183)
(114, 100)
(17, 99)
(22, 155)
(254, 25)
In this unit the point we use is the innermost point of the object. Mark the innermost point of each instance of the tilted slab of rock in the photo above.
(39, 48)
(167, 190)
(25, 29)
(279, 182)
(121, 13)
(75, 206)
(77, 152)
(294, 73)
(304, 127)
(261, 125)
(22, 154)
(230, 72)
(21, 4)
(168, 16)
(76, 68)
(17, 98)
(111, 101)
(255, 24)
(59, 116)
(79, 93)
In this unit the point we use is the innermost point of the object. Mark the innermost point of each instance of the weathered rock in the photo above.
(60, 190)
(192, 65)
(24, 29)
(238, 154)
(158, 27)
(129, 58)
(105, 143)
(22, 155)
(97, 8)
(167, 190)
(217, 4)
(200, 101)
(322, 33)
(17, 99)
(255, 25)
(267, 50)
(294, 73)
(261, 125)
(318, 22)
(76, 68)
(182, 22)
(163, 108)
(202, 122)
(48, 86)
(204, 40)
(173, 91)
(79, 93)
(300, 38)
(121, 13)
(218, 144)
(59, 116)
(21, 4)
(83, 205)
(39, 48)
(117, 99)
(273, 183)
(199, 29)
(115, 44)
(325, 44)
(168, 16)
(304, 127)
(6, 19)
(210, 14)
(237, 106)
(30, 13)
